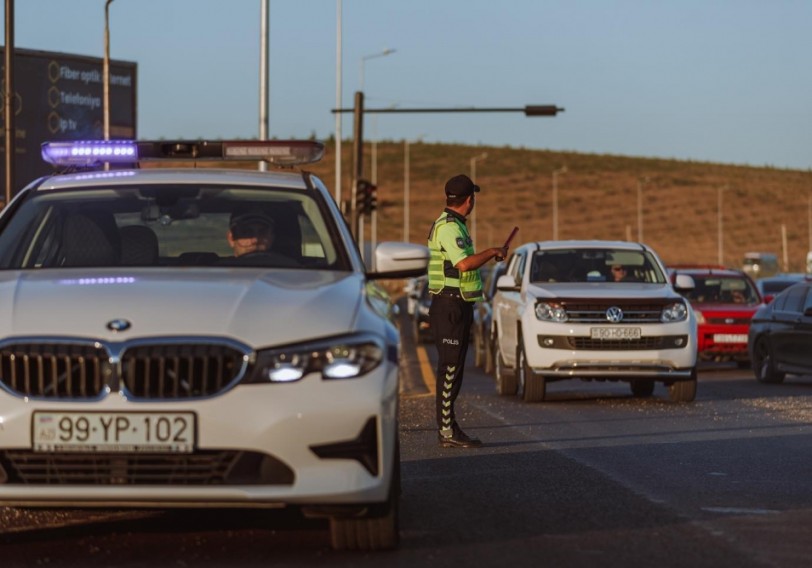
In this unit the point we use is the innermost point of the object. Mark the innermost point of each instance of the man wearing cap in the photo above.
(455, 284)
(250, 233)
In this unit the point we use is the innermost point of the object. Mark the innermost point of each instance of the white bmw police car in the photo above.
(144, 361)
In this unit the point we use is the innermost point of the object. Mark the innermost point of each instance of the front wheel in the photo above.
(479, 347)
(505, 377)
(684, 391)
(532, 387)
(376, 529)
(763, 363)
(487, 366)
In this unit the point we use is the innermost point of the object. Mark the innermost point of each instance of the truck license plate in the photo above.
(615, 333)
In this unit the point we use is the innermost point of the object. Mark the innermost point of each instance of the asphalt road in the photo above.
(593, 477)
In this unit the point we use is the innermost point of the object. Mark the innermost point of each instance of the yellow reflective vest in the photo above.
(449, 243)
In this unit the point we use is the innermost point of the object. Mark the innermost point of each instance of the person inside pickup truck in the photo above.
(621, 274)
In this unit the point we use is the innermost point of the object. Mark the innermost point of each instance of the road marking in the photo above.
(740, 511)
(426, 373)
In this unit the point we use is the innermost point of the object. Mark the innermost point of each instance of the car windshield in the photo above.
(615, 266)
(716, 289)
(166, 225)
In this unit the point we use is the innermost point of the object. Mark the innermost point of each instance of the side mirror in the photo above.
(399, 260)
(506, 283)
(684, 282)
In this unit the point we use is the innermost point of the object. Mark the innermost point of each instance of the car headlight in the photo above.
(343, 357)
(674, 312)
(549, 311)
(700, 319)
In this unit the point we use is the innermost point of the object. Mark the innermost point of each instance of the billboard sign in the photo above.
(60, 96)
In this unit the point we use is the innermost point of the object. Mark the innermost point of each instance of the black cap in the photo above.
(460, 186)
(244, 225)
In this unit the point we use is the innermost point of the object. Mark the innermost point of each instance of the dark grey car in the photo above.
(780, 335)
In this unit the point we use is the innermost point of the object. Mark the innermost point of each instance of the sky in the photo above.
(707, 80)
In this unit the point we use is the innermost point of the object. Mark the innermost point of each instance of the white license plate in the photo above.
(615, 333)
(165, 432)
(730, 338)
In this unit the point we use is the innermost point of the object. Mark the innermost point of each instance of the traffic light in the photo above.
(371, 198)
(366, 198)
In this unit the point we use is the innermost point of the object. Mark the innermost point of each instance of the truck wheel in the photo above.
(763, 363)
(683, 391)
(531, 386)
(505, 377)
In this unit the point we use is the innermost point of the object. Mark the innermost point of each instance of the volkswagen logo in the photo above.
(118, 325)
(614, 314)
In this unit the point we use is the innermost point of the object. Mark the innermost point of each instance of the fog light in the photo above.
(547, 342)
(679, 341)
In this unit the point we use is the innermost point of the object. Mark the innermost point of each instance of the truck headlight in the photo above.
(550, 311)
(674, 312)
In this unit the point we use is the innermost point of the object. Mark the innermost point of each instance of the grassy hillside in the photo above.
(597, 199)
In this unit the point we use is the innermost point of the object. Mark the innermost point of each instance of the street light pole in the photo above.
(338, 105)
(720, 219)
(406, 191)
(640, 182)
(560, 170)
(264, 102)
(406, 188)
(474, 160)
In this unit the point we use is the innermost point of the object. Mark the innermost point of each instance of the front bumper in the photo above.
(664, 352)
(326, 433)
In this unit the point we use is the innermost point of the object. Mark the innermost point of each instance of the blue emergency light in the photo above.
(93, 153)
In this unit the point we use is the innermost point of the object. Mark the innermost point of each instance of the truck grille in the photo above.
(592, 312)
(161, 371)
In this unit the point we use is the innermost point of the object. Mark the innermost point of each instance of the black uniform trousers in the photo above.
(450, 318)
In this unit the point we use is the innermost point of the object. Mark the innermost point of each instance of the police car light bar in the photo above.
(89, 152)
(96, 152)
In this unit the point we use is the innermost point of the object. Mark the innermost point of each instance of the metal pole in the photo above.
(720, 252)
(358, 155)
(560, 170)
(264, 100)
(785, 256)
(481, 156)
(406, 191)
(8, 99)
(639, 210)
(338, 104)
(106, 72)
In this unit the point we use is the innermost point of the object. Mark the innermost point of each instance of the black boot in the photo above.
(458, 439)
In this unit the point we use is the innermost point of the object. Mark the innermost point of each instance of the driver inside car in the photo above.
(250, 233)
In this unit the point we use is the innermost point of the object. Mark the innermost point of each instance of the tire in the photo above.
(531, 386)
(378, 528)
(642, 388)
(683, 391)
(505, 377)
(487, 366)
(479, 348)
(763, 363)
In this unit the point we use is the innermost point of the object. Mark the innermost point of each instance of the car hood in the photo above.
(256, 307)
(730, 310)
(602, 290)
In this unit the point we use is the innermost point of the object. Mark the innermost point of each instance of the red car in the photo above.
(724, 300)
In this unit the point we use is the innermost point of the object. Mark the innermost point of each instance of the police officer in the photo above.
(455, 284)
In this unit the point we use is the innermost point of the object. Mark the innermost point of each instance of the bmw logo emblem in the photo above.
(614, 314)
(118, 325)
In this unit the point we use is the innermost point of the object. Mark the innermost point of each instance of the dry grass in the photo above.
(597, 199)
